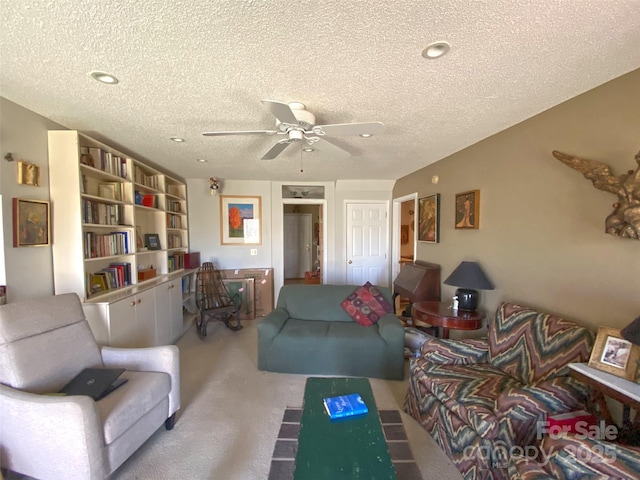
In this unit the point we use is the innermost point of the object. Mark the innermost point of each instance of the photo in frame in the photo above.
(240, 220)
(31, 223)
(28, 174)
(429, 218)
(468, 209)
(152, 241)
(613, 354)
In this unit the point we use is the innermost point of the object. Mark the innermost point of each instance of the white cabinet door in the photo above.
(121, 320)
(163, 313)
(176, 309)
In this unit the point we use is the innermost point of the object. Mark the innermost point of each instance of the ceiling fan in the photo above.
(296, 124)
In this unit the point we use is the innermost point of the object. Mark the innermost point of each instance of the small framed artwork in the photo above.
(429, 219)
(152, 241)
(613, 354)
(28, 174)
(31, 223)
(468, 209)
(240, 220)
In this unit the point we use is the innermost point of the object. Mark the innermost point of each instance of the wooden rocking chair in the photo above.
(214, 300)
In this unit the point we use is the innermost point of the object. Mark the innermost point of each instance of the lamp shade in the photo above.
(632, 332)
(469, 275)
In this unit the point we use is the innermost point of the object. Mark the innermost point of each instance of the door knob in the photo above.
(349, 262)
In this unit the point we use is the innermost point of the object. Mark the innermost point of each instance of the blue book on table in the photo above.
(345, 406)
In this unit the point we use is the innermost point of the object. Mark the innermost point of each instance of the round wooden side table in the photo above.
(440, 314)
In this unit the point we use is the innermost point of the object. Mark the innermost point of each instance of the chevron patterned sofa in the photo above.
(481, 399)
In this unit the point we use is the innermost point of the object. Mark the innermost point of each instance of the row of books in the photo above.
(174, 240)
(143, 178)
(106, 161)
(100, 213)
(175, 261)
(147, 200)
(174, 221)
(106, 244)
(116, 275)
(174, 206)
(174, 190)
(110, 190)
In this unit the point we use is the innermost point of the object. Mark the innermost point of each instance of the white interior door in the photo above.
(297, 244)
(367, 233)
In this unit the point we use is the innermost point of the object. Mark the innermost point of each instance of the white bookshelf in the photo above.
(102, 202)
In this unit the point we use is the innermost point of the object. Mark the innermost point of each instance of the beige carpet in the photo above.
(231, 413)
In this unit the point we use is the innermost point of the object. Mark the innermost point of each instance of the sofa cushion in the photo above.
(468, 391)
(533, 346)
(123, 407)
(366, 305)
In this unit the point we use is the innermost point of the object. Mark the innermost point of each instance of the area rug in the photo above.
(284, 453)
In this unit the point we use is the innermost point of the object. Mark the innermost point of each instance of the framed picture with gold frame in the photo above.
(31, 223)
(613, 354)
(28, 174)
(468, 209)
(240, 220)
(429, 218)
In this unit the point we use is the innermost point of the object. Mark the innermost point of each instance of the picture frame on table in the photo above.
(429, 218)
(468, 210)
(613, 354)
(240, 220)
(31, 223)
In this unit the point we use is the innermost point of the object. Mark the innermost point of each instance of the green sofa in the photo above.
(310, 333)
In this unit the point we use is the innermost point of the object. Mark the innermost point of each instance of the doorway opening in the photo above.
(302, 239)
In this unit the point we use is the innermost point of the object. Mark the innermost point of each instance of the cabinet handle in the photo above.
(139, 300)
(133, 304)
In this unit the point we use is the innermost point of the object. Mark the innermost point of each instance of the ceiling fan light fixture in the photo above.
(308, 150)
(103, 77)
(436, 50)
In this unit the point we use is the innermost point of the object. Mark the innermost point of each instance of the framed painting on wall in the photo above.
(240, 220)
(429, 219)
(468, 209)
(31, 223)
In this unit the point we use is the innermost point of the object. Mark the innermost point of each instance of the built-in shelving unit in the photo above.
(119, 235)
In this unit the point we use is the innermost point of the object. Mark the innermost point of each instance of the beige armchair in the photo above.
(46, 342)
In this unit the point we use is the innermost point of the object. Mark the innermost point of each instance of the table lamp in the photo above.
(632, 332)
(470, 277)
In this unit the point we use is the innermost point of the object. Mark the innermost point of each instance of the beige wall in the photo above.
(541, 238)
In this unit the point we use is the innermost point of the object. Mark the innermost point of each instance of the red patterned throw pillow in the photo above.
(366, 305)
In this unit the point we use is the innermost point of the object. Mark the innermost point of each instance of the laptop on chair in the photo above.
(95, 382)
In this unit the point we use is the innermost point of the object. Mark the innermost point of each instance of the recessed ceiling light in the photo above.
(436, 50)
(366, 135)
(177, 139)
(308, 149)
(201, 160)
(104, 77)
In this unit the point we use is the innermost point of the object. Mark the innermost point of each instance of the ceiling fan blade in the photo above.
(276, 150)
(240, 132)
(325, 146)
(281, 111)
(371, 128)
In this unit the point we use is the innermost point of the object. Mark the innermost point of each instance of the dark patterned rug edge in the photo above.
(284, 452)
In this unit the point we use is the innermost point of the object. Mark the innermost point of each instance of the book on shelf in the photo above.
(343, 406)
(149, 200)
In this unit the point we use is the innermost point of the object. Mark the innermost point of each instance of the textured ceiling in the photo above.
(188, 66)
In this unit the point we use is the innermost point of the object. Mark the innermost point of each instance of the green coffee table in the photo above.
(351, 448)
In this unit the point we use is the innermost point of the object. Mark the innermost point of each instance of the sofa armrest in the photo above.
(526, 407)
(164, 359)
(455, 352)
(390, 328)
(272, 323)
(66, 430)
